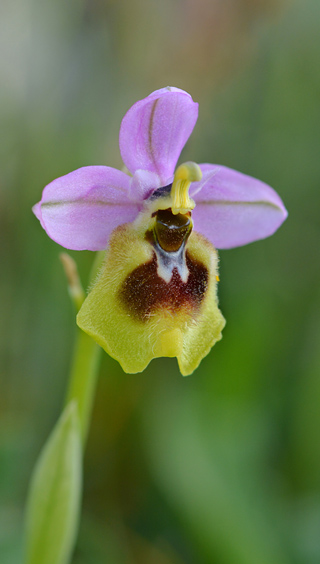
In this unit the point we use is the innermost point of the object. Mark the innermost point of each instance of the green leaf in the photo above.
(55, 493)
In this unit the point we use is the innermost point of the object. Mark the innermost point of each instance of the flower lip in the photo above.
(136, 314)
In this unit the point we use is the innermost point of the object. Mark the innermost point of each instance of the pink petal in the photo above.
(79, 210)
(155, 130)
(233, 209)
(143, 183)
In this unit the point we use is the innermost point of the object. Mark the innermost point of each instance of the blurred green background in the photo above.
(222, 467)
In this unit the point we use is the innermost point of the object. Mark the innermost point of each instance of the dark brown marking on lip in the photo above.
(144, 292)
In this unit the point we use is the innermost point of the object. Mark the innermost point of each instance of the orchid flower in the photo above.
(156, 293)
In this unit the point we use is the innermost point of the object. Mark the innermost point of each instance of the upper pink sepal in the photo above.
(233, 209)
(155, 130)
(80, 210)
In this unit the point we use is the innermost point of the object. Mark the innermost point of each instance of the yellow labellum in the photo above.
(136, 316)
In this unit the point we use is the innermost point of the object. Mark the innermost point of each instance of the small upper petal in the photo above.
(154, 131)
(80, 210)
(143, 183)
(233, 209)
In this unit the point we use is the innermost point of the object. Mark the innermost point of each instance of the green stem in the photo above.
(83, 378)
(85, 367)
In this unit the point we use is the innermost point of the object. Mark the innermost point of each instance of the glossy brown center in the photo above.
(172, 230)
(144, 292)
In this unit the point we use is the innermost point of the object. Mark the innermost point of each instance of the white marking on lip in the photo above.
(168, 261)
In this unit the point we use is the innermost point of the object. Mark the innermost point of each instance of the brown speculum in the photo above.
(171, 230)
(145, 290)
